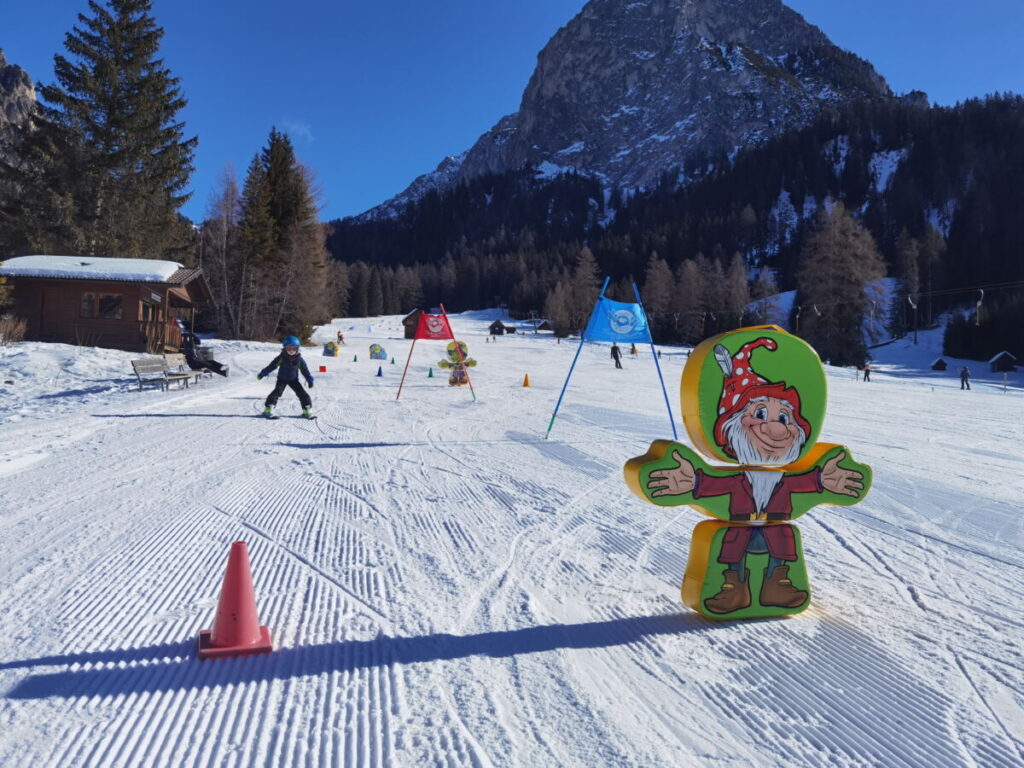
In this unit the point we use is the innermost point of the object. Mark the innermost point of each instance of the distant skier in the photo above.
(289, 365)
(190, 348)
(632, 350)
(867, 372)
(965, 378)
(617, 355)
(341, 338)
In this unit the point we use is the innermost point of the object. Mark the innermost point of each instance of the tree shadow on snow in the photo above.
(177, 415)
(174, 666)
(347, 445)
(85, 391)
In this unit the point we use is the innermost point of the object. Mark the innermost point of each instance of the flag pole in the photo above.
(579, 349)
(654, 354)
(407, 361)
(459, 350)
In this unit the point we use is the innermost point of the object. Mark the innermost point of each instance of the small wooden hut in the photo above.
(1004, 362)
(138, 305)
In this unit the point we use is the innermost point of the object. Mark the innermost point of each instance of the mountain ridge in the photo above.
(625, 92)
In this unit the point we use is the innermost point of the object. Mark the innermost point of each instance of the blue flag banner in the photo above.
(617, 321)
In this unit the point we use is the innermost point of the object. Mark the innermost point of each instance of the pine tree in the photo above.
(220, 255)
(110, 161)
(340, 288)
(838, 261)
(659, 285)
(557, 307)
(762, 291)
(907, 259)
(257, 283)
(359, 279)
(689, 301)
(586, 284)
(736, 292)
(375, 294)
(933, 250)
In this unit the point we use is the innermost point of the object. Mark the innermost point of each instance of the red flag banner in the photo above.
(433, 327)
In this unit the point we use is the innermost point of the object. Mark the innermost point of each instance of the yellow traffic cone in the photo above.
(526, 380)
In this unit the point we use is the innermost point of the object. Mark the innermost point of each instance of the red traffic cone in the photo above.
(236, 628)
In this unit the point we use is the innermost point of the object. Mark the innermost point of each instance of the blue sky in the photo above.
(374, 94)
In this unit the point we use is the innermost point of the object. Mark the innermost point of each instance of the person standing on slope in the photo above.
(965, 378)
(617, 355)
(289, 365)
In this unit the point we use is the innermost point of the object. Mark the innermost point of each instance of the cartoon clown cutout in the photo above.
(755, 398)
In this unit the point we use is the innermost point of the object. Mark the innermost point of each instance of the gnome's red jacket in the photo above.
(743, 508)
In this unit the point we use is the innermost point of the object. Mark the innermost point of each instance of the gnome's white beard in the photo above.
(762, 483)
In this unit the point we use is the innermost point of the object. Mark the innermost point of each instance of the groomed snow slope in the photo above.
(445, 587)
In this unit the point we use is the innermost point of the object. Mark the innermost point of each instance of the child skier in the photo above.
(289, 365)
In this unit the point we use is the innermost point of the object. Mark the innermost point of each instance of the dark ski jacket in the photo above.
(288, 368)
(190, 348)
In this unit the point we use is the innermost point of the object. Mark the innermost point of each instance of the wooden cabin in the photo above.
(497, 328)
(1004, 362)
(410, 322)
(96, 301)
(939, 364)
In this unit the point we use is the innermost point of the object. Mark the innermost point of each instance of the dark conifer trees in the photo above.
(274, 279)
(106, 170)
(838, 261)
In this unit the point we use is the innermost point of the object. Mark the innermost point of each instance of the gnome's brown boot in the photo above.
(735, 594)
(778, 591)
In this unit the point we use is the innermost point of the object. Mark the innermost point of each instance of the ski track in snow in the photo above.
(445, 587)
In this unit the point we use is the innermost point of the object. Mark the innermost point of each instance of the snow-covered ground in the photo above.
(445, 587)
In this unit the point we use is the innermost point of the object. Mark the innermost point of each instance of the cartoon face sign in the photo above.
(377, 352)
(435, 324)
(622, 321)
(755, 396)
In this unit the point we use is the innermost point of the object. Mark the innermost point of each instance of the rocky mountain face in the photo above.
(628, 90)
(17, 96)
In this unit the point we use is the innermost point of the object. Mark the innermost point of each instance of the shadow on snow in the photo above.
(174, 666)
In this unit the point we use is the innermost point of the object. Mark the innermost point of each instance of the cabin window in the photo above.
(110, 306)
(88, 308)
(147, 312)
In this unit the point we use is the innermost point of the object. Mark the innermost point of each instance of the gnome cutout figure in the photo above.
(457, 362)
(754, 398)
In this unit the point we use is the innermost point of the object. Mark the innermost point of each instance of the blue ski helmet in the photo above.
(291, 341)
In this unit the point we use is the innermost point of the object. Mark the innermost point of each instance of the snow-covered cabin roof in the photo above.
(1004, 352)
(93, 268)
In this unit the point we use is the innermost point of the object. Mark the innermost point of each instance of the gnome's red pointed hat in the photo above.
(742, 384)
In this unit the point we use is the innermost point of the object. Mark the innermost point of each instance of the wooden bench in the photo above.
(157, 373)
(177, 363)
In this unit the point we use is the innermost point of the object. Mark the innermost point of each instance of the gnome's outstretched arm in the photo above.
(839, 480)
(674, 481)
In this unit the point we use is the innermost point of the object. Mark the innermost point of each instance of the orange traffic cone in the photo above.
(236, 628)
(526, 380)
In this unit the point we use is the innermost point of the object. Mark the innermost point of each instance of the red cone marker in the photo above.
(236, 628)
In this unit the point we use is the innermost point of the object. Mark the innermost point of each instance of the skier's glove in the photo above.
(259, 377)
(310, 383)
